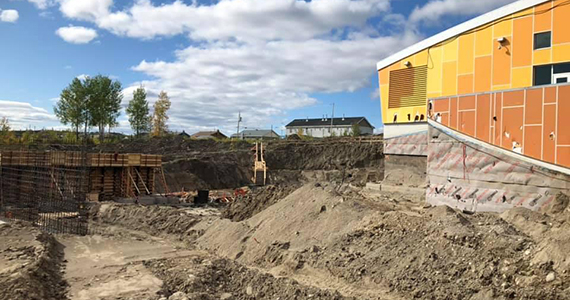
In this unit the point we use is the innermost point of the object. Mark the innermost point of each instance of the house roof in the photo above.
(459, 29)
(256, 133)
(327, 122)
(207, 133)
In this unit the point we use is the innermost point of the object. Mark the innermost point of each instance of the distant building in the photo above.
(257, 134)
(325, 127)
(184, 134)
(202, 135)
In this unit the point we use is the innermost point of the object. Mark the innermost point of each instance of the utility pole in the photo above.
(239, 121)
(332, 118)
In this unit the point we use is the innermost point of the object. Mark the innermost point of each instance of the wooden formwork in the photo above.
(109, 175)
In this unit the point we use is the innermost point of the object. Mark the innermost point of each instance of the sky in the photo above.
(270, 60)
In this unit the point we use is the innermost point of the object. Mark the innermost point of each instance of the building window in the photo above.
(542, 40)
(552, 74)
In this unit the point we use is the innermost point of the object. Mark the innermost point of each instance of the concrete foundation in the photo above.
(469, 174)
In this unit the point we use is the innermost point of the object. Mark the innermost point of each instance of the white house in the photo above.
(326, 127)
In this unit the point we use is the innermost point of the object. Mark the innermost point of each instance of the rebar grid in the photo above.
(45, 191)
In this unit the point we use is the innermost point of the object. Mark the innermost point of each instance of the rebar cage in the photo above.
(47, 189)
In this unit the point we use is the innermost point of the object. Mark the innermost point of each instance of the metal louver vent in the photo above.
(408, 87)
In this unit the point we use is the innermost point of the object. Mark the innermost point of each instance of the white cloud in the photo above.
(24, 115)
(9, 15)
(434, 10)
(227, 19)
(76, 34)
(42, 4)
(208, 86)
(82, 76)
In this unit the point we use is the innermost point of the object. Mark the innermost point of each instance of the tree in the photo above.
(355, 129)
(138, 112)
(72, 105)
(104, 102)
(6, 134)
(160, 117)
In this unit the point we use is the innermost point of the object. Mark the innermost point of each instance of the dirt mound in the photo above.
(330, 154)
(155, 220)
(213, 279)
(257, 200)
(30, 264)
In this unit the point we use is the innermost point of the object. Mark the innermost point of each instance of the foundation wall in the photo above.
(468, 174)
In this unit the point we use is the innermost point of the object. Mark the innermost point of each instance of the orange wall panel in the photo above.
(512, 130)
(549, 145)
(563, 134)
(502, 64)
(498, 124)
(483, 74)
(522, 42)
(514, 98)
(563, 156)
(543, 17)
(441, 105)
(467, 122)
(453, 113)
(465, 84)
(560, 15)
(467, 102)
(532, 141)
(550, 95)
(445, 119)
(482, 131)
(533, 107)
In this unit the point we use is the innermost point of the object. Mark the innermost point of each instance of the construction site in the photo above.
(465, 194)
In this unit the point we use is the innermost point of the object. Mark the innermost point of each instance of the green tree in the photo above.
(6, 134)
(138, 112)
(104, 102)
(355, 129)
(72, 105)
(160, 117)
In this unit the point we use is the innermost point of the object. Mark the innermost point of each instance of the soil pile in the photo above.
(30, 264)
(212, 279)
(257, 200)
(154, 220)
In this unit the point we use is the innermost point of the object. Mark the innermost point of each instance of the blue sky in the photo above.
(273, 60)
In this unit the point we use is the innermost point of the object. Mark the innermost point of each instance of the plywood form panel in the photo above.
(512, 129)
(441, 105)
(549, 144)
(466, 102)
(533, 107)
(498, 123)
(550, 95)
(563, 156)
(483, 117)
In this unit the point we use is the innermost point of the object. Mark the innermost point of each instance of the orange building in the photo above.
(501, 78)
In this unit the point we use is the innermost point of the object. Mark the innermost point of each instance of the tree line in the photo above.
(96, 102)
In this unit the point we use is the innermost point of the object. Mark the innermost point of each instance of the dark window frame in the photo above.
(535, 40)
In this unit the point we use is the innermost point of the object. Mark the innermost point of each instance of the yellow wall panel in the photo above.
(466, 60)
(501, 87)
(384, 96)
(523, 13)
(449, 78)
(450, 50)
(502, 65)
(484, 42)
(434, 71)
(422, 58)
(543, 17)
(522, 77)
(384, 76)
(560, 16)
(561, 53)
(503, 28)
(541, 57)
(522, 42)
